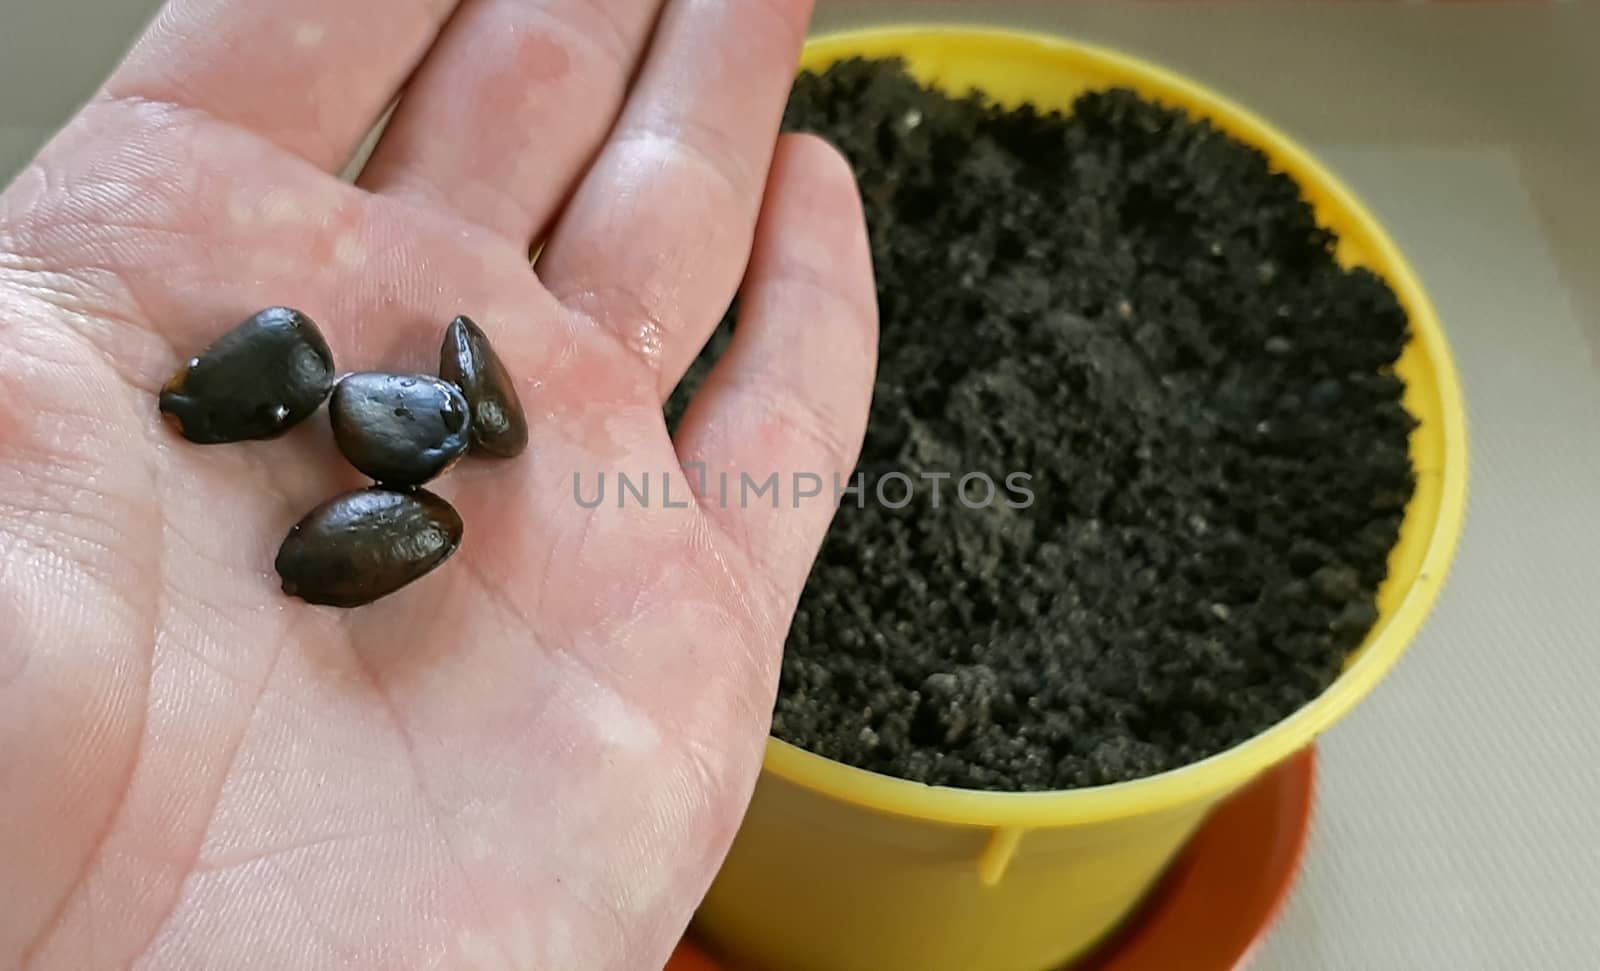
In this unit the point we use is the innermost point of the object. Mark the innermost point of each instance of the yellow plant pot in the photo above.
(836, 868)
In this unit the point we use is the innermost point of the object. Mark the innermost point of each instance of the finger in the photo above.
(790, 395)
(181, 251)
(654, 241)
(311, 76)
(512, 101)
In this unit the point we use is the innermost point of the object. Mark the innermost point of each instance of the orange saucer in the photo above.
(1218, 899)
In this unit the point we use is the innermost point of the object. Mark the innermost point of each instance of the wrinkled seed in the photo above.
(364, 545)
(257, 381)
(402, 430)
(468, 360)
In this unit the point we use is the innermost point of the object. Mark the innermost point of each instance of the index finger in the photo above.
(311, 76)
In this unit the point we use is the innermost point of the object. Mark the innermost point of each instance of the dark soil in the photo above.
(1132, 308)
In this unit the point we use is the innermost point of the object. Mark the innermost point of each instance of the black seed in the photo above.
(401, 429)
(363, 545)
(256, 381)
(499, 427)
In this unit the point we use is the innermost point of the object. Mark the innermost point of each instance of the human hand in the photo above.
(535, 756)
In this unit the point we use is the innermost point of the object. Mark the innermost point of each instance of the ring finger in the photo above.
(511, 102)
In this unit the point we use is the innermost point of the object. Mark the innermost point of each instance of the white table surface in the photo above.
(1458, 819)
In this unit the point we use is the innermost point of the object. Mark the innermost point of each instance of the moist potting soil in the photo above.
(1134, 311)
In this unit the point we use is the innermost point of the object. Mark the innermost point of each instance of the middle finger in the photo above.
(656, 237)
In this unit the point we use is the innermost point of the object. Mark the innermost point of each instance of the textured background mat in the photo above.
(1457, 825)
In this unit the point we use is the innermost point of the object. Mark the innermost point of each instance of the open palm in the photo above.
(535, 756)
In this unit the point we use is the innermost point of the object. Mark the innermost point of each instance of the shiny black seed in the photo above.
(401, 429)
(363, 545)
(256, 381)
(499, 427)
